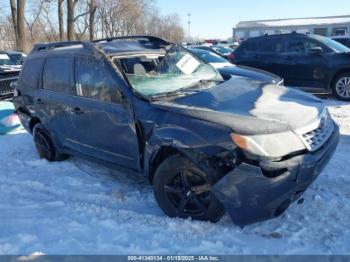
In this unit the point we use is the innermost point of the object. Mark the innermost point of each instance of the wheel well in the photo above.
(162, 154)
(338, 73)
(32, 123)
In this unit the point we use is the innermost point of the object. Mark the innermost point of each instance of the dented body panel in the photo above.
(249, 196)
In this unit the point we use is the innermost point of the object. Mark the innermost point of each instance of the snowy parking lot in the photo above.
(77, 207)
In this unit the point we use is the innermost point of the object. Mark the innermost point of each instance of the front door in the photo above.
(102, 120)
(301, 67)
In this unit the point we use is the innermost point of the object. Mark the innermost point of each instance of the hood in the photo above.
(249, 107)
(250, 72)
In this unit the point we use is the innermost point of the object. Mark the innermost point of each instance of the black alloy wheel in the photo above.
(182, 190)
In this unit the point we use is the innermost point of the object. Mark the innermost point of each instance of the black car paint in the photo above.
(138, 134)
(251, 73)
(310, 70)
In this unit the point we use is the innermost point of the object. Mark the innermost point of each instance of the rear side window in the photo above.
(271, 45)
(31, 72)
(57, 74)
(94, 80)
(250, 46)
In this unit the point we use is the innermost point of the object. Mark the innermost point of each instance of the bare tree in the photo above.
(13, 6)
(92, 15)
(7, 35)
(89, 19)
(60, 18)
(71, 19)
(31, 25)
(20, 25)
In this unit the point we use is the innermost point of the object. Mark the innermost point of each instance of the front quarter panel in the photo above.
(187, 135)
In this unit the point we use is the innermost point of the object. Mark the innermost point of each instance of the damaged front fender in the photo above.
(250, 193)
(249, 196)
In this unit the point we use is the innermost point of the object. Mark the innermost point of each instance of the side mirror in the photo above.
(316, 51)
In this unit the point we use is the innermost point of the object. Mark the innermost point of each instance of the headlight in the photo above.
(269, 145)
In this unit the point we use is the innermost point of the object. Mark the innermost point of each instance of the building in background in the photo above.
(326, 26)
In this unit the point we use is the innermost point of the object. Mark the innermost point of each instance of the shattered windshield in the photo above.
(176, 72)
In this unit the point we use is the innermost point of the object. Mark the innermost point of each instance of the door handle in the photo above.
(39, 101)
(78, 111)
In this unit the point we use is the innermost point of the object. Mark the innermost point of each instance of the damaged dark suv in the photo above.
(209, 143)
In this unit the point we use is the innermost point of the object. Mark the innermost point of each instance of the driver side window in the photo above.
(94, 80)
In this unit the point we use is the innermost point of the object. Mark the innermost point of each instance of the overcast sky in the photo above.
(215, 18)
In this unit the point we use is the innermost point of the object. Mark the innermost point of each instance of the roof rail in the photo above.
(134, 37)
(91, 45)
(55, 45)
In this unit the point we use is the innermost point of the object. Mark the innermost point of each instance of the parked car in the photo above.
(344, 40)
(317, 63)
(17, 56)
(226, 68)
(146, 106)
(9, 71)
(232, 44)
(224, 52)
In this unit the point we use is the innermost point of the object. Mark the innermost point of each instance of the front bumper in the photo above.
(249, 196)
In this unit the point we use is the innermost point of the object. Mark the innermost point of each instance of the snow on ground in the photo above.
(76, 207)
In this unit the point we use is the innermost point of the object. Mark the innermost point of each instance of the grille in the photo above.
(5, 86)
(316, 138)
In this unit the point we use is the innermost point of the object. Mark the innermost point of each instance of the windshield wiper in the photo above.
(199, 85)
(188, 90)
(179, 92)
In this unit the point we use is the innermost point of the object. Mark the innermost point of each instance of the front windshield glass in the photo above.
(176, 72)
(6, 60)
(334, 45)
(208, 57)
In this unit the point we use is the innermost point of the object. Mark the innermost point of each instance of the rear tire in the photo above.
(341, 87)
(45, 146)
(182, 190)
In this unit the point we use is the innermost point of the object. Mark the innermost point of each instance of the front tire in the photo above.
(45, 146)
(341, 87)
(182, 190)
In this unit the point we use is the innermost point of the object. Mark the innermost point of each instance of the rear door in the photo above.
(247, 54)
(53, 101)
(101, 117)
(301, 68)
(270, 50)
